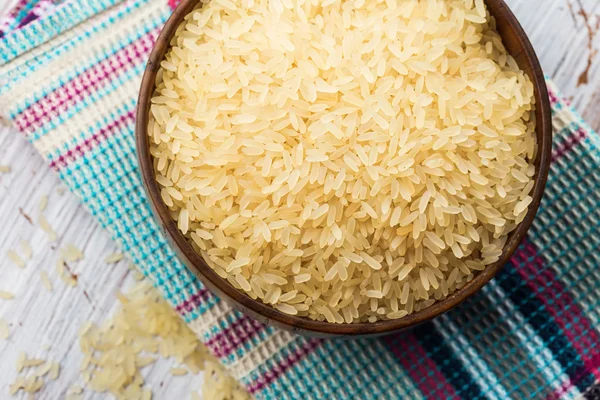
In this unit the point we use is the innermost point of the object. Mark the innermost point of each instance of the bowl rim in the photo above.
(269, 315)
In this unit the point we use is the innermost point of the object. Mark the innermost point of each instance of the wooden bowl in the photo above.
(520, 48)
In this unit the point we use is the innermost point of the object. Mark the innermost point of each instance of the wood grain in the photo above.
(38, 318)
(561, 39)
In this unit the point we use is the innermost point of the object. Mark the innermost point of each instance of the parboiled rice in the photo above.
(4, 331)
(114, 353)
(54, 371)
(35, 381)
(44, 369)
(32, 362)
(377, 149)
(26, 249)
(71, 253)
(16, 259)
(20, 360)
(43, 203)
(6, 295)
(62, 270)
(113, 258)
(46, 282)
(178, 371)
(46, 227)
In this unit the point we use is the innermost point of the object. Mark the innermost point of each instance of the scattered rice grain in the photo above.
(16, 259)
(26, 249)
(46, 282)
(43, 203)
(5, 295)
(4, 331)
(45, 225)
(113, 258)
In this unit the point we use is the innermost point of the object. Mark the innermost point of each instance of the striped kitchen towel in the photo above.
(68, 82)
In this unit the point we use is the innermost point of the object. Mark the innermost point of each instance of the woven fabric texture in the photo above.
(68, 82)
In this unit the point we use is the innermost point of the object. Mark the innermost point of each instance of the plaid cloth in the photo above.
(68, 82)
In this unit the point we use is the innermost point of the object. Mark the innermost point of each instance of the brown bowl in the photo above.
(520, 48)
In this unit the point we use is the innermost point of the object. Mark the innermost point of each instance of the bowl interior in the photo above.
(518, 45)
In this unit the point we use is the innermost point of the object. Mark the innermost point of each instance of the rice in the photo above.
(178, 371)
(16, 385)
(6, 295)
(44, 369)
(4, 168)
(4, 331)
(33, 384)
(143, 328)
(46, 282)
(75, 390)
(71, 253)
(26, 249)
(219, 385)
(32, 362)
(20, 359)
(43, 203)
(54, 371)
(113, 258)
(61, 266)
(44, 372)
(311, 149)
(16, 259)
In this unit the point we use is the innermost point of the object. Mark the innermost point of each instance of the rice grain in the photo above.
(43, 203)
(45, 225)
(113, 258)
(16, 259)
(71, 253)
(5, 295)
(26, 249)
(144, 327)
(4, 331)
(46, 282)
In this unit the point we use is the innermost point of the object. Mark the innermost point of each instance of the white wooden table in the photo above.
(38, 318)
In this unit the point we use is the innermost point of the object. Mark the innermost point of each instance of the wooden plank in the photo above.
(561, 40)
